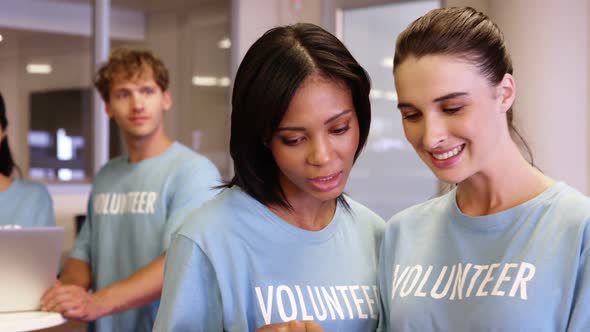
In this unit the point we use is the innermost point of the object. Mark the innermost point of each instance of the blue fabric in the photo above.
(27, 204)
(133, 210)
(235, 266)
(525, 268)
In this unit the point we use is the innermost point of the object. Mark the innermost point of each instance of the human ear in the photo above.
(167, 100)
(107, 109)
(506, 92)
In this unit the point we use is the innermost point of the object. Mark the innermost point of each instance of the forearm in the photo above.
(76, 272)
(141, 288)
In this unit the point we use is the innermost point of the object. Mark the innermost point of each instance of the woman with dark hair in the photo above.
(282, 242)
(508, 248)
(23, 203)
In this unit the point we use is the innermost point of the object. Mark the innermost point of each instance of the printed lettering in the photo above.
(461, 280)
(504, 277)
(282, 312)
(413, 275)
(524, 275)
(419, 291)
(439, 295)
(333, 303)
(309, 302)
(266, 309)
(125, 203)
(486, 280)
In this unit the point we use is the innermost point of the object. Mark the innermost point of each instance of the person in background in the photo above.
(23, 203)
(282, 242)
(136, 203)
(508, 248)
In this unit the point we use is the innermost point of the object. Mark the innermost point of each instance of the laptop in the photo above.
(29, 261)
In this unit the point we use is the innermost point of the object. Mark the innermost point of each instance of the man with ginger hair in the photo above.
(137, 202)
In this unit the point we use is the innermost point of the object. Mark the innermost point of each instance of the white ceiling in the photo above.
(149, 6)
(48, 43)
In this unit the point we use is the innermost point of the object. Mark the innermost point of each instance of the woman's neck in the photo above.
(507, 183)
(311, 216)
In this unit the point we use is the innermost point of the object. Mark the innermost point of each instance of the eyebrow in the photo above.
(451, 96)
(332, 118)
(436, 100)
(120, 89)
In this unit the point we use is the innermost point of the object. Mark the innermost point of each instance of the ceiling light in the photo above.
(38, 68)
(390, 95)
(224, 43)
(224, 81)
(376, 94)
(204, 80)
(387, 62)
(65, 149)
(65, 174)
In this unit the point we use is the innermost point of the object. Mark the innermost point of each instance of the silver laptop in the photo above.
(29, 263)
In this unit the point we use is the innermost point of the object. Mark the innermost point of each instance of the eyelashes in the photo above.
(293, 141)
(414, 116)
(452, 110)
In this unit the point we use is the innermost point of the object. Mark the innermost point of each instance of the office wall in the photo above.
(251, 18)
(187, 42)
(549, 43)
(481, 5)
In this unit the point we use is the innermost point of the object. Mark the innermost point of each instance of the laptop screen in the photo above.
(30, 259)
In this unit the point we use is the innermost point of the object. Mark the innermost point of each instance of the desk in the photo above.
(29, 320)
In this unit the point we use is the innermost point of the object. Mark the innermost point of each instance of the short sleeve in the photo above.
(191, 299)
(579, 318)
(82, 247)
(194, 186)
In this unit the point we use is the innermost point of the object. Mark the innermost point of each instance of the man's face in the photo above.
(138, 104)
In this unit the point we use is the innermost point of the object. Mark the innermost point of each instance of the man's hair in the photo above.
(128, 64)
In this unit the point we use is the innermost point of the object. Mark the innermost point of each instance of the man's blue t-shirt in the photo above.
(133, 210)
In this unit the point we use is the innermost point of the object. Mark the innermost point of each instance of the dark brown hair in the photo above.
(7, 164)
(271, 72)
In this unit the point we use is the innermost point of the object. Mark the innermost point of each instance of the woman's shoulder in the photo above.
(217, 216)
(569, 203)
(27, 187)
(430, 207)
(362, 212)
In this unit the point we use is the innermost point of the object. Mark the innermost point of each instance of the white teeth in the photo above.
(326, 178)
(448, 154)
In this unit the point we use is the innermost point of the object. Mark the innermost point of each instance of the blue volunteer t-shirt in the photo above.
(26, 204)
(133, 210)
(236, 266)
(525, 268)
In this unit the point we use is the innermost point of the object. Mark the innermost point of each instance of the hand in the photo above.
(73, 302)
(292, 326)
